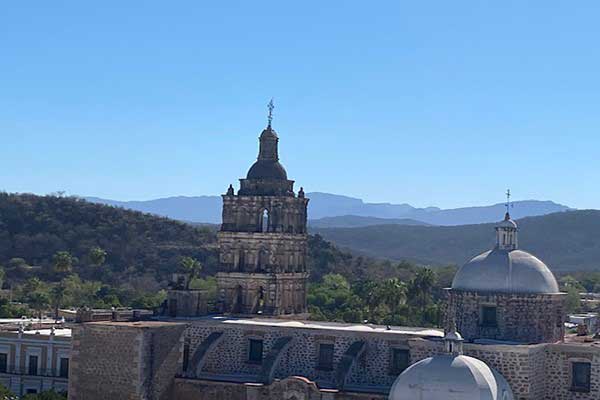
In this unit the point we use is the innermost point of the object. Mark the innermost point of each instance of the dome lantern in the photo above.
(506, 234)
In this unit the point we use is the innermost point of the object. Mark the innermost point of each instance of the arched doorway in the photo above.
(239, 300)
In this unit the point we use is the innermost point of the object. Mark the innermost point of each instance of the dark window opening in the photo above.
(489, 316)
(64, 368)
(186, 356)
(325, 356)
(33, 365)
(31, 391)
(173, 308)
(255, 351)
(239, 300)
(3, 362)
(400, 360)
(581, 377)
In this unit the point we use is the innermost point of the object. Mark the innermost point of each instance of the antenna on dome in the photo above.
(270, 106)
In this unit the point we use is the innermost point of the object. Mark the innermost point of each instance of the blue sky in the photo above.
(430, 103)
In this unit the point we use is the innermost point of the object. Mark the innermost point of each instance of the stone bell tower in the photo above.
(263, 240)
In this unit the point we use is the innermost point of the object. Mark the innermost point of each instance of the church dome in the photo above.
(513, 271)
(267, 169)
(506, 268)
(449, 377)
(268, 166)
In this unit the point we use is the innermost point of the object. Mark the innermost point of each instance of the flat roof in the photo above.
(320, 325)
(64, 332)
(136, 324)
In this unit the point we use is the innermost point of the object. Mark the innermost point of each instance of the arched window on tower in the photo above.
(261, 300)
(265, 221)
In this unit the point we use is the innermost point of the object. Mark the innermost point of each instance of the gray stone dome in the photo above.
(267, 169)
(448, 377)
(510, 271)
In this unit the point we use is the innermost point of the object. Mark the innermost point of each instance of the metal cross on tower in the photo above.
(508, 205)
(271, 106)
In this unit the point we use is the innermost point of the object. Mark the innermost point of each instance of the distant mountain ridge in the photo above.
(207, 209)
(355, 221)
(566, 241)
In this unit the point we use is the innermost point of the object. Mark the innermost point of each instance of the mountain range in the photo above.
(567, 241)
(331, 210)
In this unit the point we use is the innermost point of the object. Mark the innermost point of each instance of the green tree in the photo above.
(57, 297)
(421, 287)
(392, 292)
(63, 261)
(32, 285)
(17, 262)
(191, 267)
(6, 394)
(97, 256)
(46, 395)
(39, 302)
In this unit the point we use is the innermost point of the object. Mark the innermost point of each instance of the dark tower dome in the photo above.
(267, 177)
(267, 166)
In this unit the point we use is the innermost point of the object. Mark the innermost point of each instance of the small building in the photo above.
(32, 361)
(591, 321)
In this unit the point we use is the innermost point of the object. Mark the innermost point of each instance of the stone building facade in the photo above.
(505, 302)
(125, 360)
(263, 240)
(506, 294)
(33, 361)
(210, 359)
(523, 318)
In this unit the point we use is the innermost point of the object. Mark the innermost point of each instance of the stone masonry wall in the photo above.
(526, 318)
(105, 363)
(558, 364)
(288, 389)
(125, 360)
(229, 358)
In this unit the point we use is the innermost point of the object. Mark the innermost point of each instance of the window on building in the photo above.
(581, 376)
(3, 362)
(255, 351)
(186, 356)
(400, 360)
(325, 356)
(172, 308)
(265, 221)
(31, 391)
(33, 365)
(489, 317)
(64, 367)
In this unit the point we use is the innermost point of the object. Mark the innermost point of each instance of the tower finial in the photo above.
(508, 205)
(270, 106)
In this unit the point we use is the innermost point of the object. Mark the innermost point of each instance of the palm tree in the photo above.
(392, 292)
(63, 261)
(422, 285)
(57, 296)
(97, 256)
(191, 267)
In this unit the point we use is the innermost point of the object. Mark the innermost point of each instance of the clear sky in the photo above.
(443, 103)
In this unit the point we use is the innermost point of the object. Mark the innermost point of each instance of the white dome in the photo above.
(499, 270)
(448, 377)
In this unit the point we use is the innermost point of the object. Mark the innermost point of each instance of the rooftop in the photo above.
(302, 324)
(136, 324)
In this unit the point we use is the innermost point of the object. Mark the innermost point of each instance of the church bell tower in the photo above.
(263, 240)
